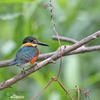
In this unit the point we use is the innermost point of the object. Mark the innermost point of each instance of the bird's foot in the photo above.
(23, 71)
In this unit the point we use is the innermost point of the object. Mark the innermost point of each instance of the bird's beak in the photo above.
(41, 43)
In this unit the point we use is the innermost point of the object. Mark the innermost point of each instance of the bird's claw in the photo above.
(23, 71)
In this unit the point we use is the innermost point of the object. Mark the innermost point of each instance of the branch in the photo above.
(47, 61)
(65, 39)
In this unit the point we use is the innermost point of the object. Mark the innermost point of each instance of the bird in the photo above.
(28, 52)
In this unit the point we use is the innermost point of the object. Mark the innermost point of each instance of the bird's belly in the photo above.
(27, 54)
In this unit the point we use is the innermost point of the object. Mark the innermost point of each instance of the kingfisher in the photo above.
(29, 52)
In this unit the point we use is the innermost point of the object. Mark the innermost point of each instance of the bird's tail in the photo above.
(13, 63)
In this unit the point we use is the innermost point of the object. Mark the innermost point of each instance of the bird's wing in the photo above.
(26, 53)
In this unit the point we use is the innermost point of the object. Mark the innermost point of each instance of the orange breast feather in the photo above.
(34, 58)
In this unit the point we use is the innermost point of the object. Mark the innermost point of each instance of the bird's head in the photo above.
(33, 41)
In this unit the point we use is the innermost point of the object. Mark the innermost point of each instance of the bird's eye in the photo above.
(31, 40)
(35, 41)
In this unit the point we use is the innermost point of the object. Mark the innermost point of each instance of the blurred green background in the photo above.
(75, 19)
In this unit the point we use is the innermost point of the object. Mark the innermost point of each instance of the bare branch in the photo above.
(66, 39)
(55, 56)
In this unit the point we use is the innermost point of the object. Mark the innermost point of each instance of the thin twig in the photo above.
(65, 90)
(66, 39)
(78, 92)
(48, 84)
(51, 80)
(54, 28)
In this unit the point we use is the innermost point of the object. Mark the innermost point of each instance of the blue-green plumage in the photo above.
(24, 55)
(28, 52)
